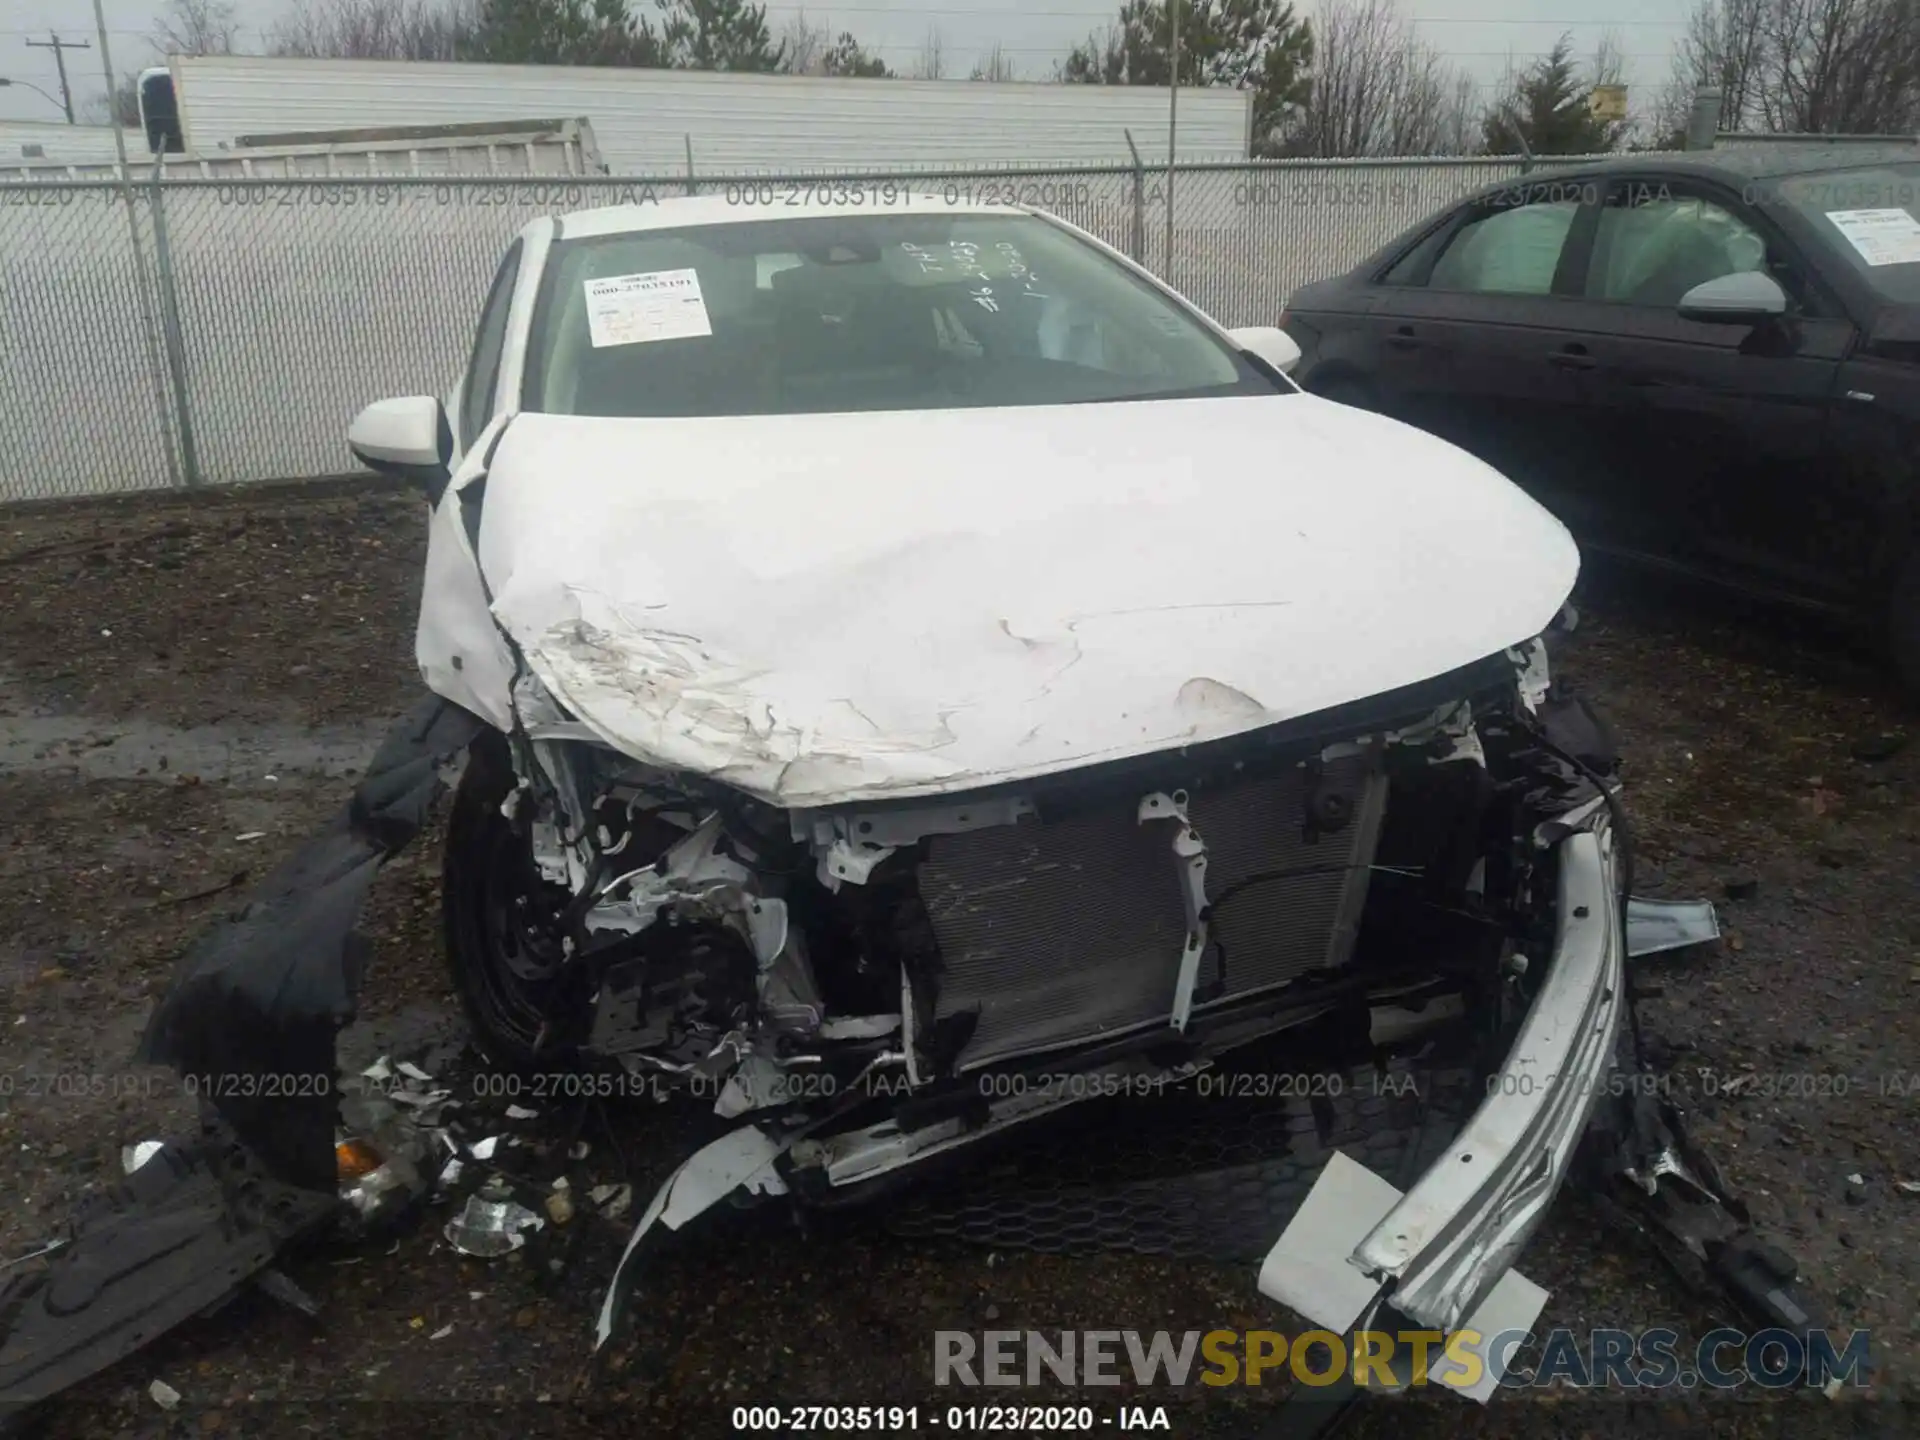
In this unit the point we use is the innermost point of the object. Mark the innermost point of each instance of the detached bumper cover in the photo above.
(1459, 1229)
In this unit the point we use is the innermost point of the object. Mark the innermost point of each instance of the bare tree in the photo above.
(1379, 89)
(1724, 47)
(376, 29)
(122, 107)
(1824, 66)
(805, 45)
(196, 27)
(932, 64)
(1462, 113)
(994, 64)
(1842, 65)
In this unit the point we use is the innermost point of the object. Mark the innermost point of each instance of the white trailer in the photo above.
(523, 147)
(53, 143)
(648, 121)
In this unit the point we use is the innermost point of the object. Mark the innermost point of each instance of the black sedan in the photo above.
(1708, 362)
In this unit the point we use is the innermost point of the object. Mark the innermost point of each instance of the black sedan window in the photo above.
(1871, 217)
(1508, 251)
(1654, 252)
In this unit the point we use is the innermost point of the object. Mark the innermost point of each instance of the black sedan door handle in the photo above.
(1572, 357)
(1403, 339)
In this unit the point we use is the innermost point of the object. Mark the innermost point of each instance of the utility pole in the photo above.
(60, 47)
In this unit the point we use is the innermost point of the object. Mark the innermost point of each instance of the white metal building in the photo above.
(645, 120)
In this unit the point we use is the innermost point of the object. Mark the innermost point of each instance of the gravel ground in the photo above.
(187, 686)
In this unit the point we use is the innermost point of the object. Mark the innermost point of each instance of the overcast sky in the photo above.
(1481, 35)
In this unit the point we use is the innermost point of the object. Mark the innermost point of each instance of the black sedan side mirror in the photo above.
(1749, 297)
(408, 438)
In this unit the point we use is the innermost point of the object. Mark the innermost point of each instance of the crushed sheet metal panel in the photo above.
(1307, 1271)
(1465, 1219)
(991, 620)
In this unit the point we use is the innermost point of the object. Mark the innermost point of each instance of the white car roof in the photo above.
(769, 201)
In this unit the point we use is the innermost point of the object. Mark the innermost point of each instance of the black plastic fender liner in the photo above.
(180, 1235)
(1708, 1240)
(257, 1000)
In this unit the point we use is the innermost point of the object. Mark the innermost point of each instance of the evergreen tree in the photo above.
(1257, 45)
(1546, 111)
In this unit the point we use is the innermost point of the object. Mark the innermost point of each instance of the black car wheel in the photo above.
(502, 926)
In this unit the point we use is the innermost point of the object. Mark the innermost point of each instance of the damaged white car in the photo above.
(905, 654)
(920, 648)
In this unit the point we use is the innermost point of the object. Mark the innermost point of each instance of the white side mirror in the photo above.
(406, 437)
(1747, 297)
(1270, 343)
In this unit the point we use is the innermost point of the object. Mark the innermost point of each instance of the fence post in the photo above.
(171, 334)
(692, 189)
(1137, 247)
(124, 171)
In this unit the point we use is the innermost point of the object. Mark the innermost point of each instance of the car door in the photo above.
(1465, 324)
(1711, 440)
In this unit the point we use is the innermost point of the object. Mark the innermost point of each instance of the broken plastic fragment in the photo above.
(383, 1191)
(380, 1159)
(164, 1395)
(132, 1157)
(520, 1112)
(355, 1159)
(1654, 926)
(441, 1333)
(419, 1100)
(483, 1149)
(414, 1072)
(276, 1285)
(740, 1159)
(491, 1228)
(611, 1200)
(379, 1070)
(52, 1247)
(579, 1150)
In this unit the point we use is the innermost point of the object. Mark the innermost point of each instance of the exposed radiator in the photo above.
(1068, 930)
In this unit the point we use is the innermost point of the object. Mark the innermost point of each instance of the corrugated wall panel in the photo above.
(738, 123)
(65, 144)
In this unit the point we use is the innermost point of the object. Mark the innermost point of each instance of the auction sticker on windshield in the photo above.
(1883, 237)
(636, 309)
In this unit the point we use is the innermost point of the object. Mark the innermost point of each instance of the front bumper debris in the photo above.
(1458, 1230)
(262, 993)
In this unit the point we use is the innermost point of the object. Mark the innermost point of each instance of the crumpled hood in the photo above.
(819, 609)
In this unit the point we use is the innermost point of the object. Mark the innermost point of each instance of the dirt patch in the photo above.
(180, 675)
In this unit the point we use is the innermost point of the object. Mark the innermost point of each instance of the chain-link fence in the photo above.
(205, 332)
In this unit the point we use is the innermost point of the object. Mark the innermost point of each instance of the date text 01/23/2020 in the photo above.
(909, 1419)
